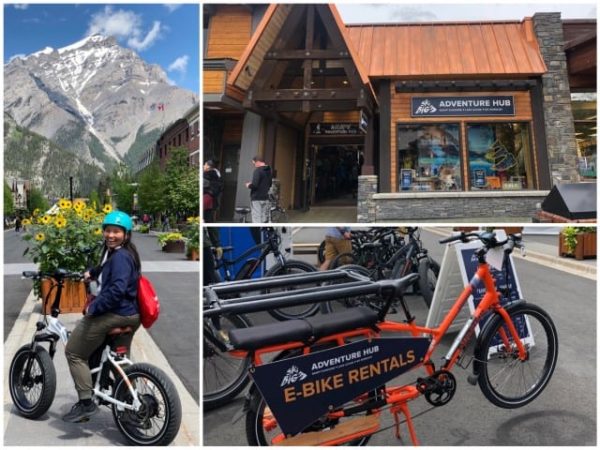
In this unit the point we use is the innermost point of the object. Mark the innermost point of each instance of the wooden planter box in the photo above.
(194, 255)
(72, 299)
(585, 248)
(174, 247)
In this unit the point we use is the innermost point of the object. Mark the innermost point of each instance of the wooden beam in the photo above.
(318, 54)
(280, 95)
(308, 45)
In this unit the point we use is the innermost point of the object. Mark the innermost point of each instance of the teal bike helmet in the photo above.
(119, 219)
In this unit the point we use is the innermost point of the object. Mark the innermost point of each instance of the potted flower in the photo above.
(579, 242)
(62, 239)
(192, 238)
(172, 242)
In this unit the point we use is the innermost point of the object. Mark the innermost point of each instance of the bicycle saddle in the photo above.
(306, 330)
(242, 210)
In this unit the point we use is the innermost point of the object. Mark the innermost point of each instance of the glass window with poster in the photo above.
(583, 105)
(429, 157)
(500, 156)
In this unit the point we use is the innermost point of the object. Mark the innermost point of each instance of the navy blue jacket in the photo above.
(118, 294)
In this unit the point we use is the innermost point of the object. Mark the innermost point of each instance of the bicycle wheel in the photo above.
(32, 381)
(158, 420)
(504, 379)
(321, 252)
(429, 270)
(223, 376)
(262, 428)
(343, 259)
(348, 302)
(292, 312)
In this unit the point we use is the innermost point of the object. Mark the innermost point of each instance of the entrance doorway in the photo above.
(337, 168)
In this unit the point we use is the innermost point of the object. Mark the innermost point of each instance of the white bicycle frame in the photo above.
(55, 326)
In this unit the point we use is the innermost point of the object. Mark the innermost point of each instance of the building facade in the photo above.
(406, 121)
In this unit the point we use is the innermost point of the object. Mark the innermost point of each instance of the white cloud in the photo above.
(180, 64)
(171, 6)
(21, 5)
(125, 26)
(142, 44)
(171, 82)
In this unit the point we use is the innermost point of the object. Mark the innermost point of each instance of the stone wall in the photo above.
(558, 117)
(500, 206)
(367, 187)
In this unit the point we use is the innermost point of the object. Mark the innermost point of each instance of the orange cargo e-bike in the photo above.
(327, 384)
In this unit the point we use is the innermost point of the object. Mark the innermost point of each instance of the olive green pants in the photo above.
(88, 335)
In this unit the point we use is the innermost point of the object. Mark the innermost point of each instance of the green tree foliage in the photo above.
(151, 190)
(183, 184)
(37, 200)
(9, 205)
(123, 188)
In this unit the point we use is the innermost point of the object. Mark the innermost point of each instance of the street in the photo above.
(175, 335)
(564, 414)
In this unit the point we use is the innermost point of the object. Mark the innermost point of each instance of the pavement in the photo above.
(101, 430)
(50, 430)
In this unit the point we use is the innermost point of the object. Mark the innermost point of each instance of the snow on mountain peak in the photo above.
(94, 38)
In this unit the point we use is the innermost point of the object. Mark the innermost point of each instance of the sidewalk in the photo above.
(539, 251)
(101, 430)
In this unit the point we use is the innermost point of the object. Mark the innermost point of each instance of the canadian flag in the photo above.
(161, 106)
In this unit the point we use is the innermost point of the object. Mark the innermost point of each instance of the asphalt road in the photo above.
(176, 333)
(564, 414)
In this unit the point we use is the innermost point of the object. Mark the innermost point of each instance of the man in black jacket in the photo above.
(259, 190)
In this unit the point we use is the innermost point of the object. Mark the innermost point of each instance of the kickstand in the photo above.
(403, 408)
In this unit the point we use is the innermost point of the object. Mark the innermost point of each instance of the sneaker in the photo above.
(80, 412)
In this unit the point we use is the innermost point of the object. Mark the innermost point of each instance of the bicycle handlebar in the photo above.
(488, 239)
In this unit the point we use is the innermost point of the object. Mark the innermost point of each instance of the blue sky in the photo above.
(167, 35)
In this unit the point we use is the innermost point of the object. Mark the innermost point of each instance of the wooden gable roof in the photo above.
(444, 50)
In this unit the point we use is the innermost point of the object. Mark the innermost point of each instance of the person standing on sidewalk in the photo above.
(262, 178)
(115, 305)
(337, 241)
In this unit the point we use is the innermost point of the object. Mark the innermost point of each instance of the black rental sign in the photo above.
(488, 105)
(301, 389)
(336, 129)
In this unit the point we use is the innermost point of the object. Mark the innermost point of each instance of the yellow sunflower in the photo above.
(63, 203)
(36, 212)
(107, 208)
(79, 205)
(98, 231)
(60, 222)
(46, 220)
(26, 222)
(40, 237)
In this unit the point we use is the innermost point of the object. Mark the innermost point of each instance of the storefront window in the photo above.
(586, 124)
(429, 157)
(500, 156)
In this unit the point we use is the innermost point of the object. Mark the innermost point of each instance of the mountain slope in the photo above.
(92, 98)
(29, 156)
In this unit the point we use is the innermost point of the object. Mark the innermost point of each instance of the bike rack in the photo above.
(353, 284)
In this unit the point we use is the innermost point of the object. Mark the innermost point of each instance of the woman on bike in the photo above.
(114, 306)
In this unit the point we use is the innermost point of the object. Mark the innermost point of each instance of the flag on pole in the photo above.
(161, 106)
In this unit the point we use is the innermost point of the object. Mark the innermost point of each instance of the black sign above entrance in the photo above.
(335, 129)
(488, 105)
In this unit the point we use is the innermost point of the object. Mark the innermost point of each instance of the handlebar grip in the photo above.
(30, 274)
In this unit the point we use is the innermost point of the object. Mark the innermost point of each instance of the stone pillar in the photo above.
(250, 145)
(367, 187)
(558, 117)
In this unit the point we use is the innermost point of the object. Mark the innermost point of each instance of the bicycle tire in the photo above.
(292, 312)
(46, 379)
(343, 259)
(330, 306)
(429, 270)
(321, 252)
(217, 365)
(533, 374)
(135, 425)
(255, 413)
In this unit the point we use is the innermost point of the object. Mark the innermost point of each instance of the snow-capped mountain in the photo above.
(93, 97)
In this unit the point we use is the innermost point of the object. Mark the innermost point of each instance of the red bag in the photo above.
(147, 302)
(208, 202)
